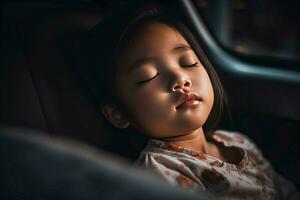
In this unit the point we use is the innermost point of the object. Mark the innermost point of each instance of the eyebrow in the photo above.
(182, 47)
(140, 62)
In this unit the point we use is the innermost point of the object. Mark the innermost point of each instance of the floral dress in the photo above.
(252, 178)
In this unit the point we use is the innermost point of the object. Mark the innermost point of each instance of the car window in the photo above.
(260, 28)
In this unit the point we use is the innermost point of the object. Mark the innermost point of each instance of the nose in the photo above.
(181, 82)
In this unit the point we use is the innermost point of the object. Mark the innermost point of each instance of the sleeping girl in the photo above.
(150, 74)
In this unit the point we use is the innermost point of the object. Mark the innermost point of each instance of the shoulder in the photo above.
(238, 139)
(171, 169)
(156, 160)
(234, 138)
(253, 152)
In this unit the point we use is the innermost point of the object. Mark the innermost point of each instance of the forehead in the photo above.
(157, 36)
(153, 39)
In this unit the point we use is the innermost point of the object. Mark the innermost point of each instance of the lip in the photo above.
(188, 99)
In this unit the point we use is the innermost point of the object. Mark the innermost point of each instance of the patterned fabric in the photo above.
(251, 178)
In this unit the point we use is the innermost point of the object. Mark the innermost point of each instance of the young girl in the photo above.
(149, 73)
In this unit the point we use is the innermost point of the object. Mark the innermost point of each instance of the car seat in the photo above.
(38, 90)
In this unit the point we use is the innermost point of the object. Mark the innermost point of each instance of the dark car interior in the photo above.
(40, 91)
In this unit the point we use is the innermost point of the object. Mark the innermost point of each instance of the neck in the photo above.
(194, 140)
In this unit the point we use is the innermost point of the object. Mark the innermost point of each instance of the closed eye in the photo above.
(141, 82)
(192, 65)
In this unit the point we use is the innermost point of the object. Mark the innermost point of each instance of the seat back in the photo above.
(38, 89)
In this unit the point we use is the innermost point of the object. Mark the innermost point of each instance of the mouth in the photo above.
(188, 100)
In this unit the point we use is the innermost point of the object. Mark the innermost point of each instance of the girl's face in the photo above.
(154, 72)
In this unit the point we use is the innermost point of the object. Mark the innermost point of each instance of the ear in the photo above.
(114, 115)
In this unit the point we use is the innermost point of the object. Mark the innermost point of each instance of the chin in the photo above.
(190, 125)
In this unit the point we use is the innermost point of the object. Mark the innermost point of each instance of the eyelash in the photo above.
(141, 82)
(145, 81)
(192, 65)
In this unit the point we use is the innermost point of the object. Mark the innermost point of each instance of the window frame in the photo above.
(230, 62)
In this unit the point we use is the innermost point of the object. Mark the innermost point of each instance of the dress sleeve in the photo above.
(285, 189)
(172, 170)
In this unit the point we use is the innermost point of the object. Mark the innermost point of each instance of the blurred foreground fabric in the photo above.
(34, 166)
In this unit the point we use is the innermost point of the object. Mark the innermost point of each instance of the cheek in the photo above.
(208, 91)
(149, 109)
(203, 84)
(150, 102)
(207, 87)
(140, 101)
(142, 104)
